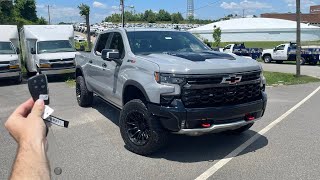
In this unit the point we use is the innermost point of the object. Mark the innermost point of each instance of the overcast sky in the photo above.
(66, 10)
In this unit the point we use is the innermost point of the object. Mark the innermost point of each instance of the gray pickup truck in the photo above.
(167, 81)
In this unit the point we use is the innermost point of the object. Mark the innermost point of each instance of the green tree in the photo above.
(27, 9)
(42, 21)
(6, 12)
(149, 16)
(163, 15)
(176, 18)
(216, 36)
(85, 11)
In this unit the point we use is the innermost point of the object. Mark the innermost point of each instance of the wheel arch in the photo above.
(128, 85)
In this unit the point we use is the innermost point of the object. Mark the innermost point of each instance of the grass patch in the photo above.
(71, 82)
(276, 78)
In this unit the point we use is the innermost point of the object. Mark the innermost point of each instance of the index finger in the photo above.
(25, 108)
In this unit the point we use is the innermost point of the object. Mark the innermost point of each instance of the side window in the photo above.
(281, 47)
(101, 44)
(228, 47)
(117, 43)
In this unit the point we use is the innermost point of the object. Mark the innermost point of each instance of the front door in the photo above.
(111, 69)
(280, 53)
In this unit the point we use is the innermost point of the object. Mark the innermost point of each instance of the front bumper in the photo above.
(178, 119)
(53, 71)
(10, 73)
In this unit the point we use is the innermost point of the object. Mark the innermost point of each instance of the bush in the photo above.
(80, 45)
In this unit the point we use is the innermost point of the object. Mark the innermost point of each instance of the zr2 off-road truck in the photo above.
(167, 81)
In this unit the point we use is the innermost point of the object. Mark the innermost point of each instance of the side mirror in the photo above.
(33, 51)
(274, 50)
(110, 54)
(18, 50)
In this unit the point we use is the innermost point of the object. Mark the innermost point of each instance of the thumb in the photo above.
(38, 108)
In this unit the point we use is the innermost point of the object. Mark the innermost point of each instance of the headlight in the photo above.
(14, 62)
(168, 78)
(44, 61)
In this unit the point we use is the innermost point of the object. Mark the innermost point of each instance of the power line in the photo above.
(209, 4)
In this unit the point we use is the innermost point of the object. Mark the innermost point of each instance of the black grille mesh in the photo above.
(221, 96)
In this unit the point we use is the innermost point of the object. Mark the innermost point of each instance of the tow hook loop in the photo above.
(205, 125)
(250, 117)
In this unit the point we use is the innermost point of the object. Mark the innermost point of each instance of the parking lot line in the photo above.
(213, 169)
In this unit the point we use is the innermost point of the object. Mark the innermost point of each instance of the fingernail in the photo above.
(40, 102)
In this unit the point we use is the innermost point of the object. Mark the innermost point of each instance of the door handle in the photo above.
(104, 65)
(90, 61)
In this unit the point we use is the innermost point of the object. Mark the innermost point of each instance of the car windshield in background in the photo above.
(54, 46)
(6, 48)
(148, 42)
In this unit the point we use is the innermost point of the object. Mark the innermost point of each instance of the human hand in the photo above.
(26, 125)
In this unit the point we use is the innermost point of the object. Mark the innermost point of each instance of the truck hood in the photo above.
(8, 57)
(267, 51)
(60, 55)
(201, 63)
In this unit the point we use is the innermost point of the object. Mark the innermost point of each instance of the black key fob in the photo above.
(38, 87)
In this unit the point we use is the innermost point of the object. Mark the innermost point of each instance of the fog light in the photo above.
(45, 66)
(14, 66)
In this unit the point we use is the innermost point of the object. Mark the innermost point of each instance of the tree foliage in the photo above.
(216, 36)
(151, 17)
(84, 10)
(20, 13)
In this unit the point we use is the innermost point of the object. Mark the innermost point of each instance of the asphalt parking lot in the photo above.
(92, 148)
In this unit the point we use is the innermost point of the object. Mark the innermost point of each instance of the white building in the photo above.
(258, 29)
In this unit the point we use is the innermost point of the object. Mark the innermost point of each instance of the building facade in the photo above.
(312, 18)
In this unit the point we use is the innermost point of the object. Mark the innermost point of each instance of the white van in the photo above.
(10, 65)
(48, 48)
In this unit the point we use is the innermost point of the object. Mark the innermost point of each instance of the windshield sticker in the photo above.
(168, 38)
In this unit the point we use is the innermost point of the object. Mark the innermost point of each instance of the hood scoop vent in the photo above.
(202, 56)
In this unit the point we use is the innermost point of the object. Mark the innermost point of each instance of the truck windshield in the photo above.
(148, 42)
(6, 48)
(54, 46)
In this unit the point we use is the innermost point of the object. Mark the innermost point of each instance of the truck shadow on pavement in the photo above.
(186, 149)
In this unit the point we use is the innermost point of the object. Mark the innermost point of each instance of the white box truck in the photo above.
(10, 65)
(48, 49)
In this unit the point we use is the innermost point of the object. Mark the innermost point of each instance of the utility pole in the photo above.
(49, 14)
(243, 10)
(122, 12)
(298, 53)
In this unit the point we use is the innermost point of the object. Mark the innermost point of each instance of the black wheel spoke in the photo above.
(137, 128)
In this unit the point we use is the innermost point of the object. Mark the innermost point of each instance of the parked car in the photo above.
(10, 64)
(48, 48)
(240, 50)
(167, 81)
(287, 52)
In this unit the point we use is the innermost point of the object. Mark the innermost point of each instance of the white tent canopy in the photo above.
(258, 29)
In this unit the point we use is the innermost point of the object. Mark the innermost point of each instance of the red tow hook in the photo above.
(205, 125)
(249, 117)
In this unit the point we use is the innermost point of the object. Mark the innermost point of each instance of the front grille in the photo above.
(4, 62)
(217, 79)
(4, 68)
(65, 65)
(61, 60)
(221, 96)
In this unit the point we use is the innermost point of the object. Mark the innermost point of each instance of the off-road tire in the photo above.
(157, 136)
(267, 59)
(84, 96)
(239, 130)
